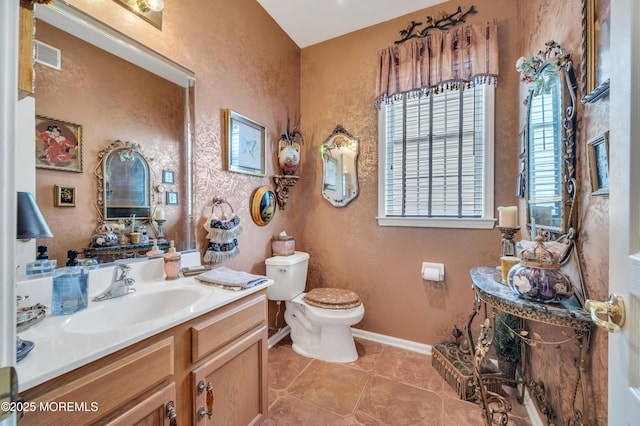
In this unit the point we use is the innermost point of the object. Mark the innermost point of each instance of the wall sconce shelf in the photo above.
(284, 183)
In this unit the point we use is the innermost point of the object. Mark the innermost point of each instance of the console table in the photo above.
(121, 251)
(494, 296)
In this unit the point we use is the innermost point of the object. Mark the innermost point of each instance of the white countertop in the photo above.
(59, 349)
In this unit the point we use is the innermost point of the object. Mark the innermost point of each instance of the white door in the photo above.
(624, 211)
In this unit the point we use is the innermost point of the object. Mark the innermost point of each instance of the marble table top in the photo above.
(566, 313)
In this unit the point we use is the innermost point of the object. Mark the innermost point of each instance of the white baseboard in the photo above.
(532, 411)
(392, 341)
(281, 334)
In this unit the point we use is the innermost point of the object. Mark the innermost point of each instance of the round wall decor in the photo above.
(263, 205)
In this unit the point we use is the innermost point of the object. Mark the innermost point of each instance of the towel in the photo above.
(231, 279)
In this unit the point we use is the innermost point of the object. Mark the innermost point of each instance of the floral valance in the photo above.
(438, 61)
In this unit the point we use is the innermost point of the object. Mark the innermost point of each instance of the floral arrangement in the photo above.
(534, 74)
(127, 154)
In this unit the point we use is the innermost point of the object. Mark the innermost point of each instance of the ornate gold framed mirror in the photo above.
(339, 167)
(125, 182)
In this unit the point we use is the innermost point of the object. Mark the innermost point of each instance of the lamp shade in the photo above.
(31, 223)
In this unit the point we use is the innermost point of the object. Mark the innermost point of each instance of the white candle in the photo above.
(508, 217)
(159, 214)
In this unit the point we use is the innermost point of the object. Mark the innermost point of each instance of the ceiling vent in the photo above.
(47, 55)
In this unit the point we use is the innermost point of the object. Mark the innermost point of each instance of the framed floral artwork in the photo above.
(596, 45)
(58, 145)
(64, 196)
(246, 144)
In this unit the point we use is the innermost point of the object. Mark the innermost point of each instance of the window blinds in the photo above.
(434, 154)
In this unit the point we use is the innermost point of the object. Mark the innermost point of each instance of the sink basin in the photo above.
(133, 309)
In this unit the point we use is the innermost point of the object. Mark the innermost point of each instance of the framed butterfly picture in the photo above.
(246, 144)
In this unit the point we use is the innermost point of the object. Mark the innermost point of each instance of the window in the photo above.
(436, 159)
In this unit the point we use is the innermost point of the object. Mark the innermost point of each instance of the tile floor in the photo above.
(385, 386)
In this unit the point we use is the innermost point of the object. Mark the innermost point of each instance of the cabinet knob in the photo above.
(171, 413)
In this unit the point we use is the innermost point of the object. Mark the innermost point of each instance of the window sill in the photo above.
(421, 222)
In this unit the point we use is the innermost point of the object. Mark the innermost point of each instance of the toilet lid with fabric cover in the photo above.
(332, 298)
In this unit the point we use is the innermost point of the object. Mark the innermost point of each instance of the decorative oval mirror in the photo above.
(339, 166)
(550, 157)
(124, 182)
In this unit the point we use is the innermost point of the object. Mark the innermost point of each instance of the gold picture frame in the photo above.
(246, 144)
(263, 205)
(64, 196)
(58, 145)
(598, 152)
(596, 47)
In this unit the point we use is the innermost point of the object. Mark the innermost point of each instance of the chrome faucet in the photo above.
(120, 284)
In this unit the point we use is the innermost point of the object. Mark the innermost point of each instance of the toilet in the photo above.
(320, 320)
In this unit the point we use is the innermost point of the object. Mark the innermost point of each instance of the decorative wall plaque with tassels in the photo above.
(223, 227)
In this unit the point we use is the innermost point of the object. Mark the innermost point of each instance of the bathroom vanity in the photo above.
(173, 352)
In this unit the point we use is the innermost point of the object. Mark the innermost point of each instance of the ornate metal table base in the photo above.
(495, 297)
(492, 402)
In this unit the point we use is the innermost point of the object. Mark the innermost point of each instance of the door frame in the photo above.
(9, 21)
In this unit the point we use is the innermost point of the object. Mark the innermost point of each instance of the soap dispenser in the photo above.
(172, 262)
(42, 263)
(155, 250)
(70, 287)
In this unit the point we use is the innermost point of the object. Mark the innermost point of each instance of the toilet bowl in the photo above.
(320, 321)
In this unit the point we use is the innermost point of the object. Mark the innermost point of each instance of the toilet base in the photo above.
(328, 342)
(335, 345)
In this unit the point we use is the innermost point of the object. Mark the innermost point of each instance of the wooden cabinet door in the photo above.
(230, 388)
(156, 409)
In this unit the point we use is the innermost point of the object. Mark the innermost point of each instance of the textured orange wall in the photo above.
(347, 247)
(111, 99)
(541, 21)
(242, 61)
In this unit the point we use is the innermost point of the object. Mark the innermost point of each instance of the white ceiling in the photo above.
(309, 22)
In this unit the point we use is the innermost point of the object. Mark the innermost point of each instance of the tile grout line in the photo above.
(361, 396)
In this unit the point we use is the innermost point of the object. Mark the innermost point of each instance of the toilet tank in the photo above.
(289, 275)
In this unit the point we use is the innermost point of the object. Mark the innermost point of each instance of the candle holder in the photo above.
(160, 223)
(508, 245)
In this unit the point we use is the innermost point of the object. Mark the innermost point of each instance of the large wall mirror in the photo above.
(116, 89)
(339, 167)
(550, 164)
